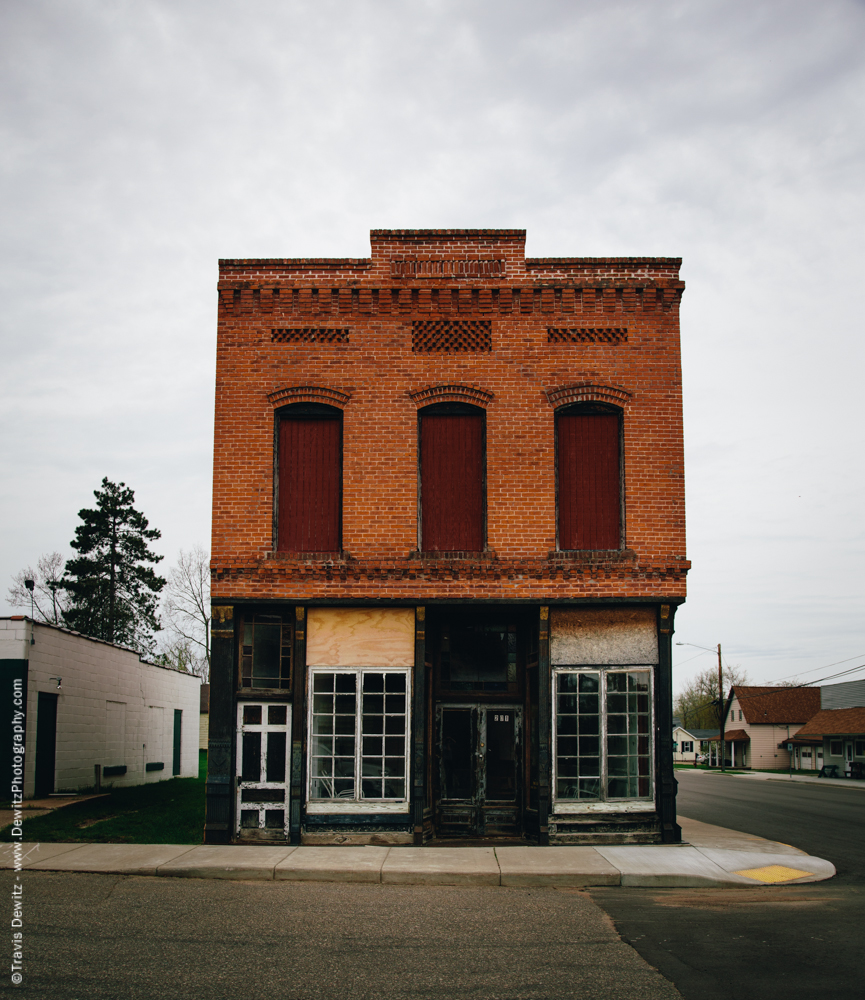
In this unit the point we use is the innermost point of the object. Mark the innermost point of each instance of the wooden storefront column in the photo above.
(544, 726)
(298, 723)
(419, 726)
(671, 832)
(219, 786)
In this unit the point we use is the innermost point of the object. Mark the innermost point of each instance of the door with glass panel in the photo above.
(479, 772)
(602, 734)
(358, 740)
(262, 770)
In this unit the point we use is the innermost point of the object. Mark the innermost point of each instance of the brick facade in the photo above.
(460, 316)
(379, 381)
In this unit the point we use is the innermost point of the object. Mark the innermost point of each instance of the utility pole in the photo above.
(722, 714)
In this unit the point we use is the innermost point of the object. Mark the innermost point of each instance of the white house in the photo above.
(761, 720)
(685, 746)
(688, 744)
(88, 711)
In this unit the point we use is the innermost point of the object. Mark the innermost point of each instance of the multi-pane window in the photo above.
(687, 746)
(265, 651)
(452, 478)
(309, 486)
(603, 735)
(588, 457)
(358, 736)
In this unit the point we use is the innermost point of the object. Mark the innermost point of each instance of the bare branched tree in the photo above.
(699, 704)
(186, 613)
(50, 600)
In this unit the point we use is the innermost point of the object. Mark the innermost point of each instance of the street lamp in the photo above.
(30, 584)
(722, 714)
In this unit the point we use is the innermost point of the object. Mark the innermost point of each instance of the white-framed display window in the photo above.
(263, 768)
(603, 758)
(358, 739)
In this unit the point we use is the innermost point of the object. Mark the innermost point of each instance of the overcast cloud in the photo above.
(141, 141)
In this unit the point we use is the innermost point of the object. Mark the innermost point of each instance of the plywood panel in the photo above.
(603, 635)
(360, 637)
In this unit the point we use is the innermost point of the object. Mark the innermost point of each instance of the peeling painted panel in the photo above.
(603, 635)
(360, 637)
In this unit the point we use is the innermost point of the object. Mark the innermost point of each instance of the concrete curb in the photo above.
(667, 866)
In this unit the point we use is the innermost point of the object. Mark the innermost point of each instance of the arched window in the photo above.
(589, 476)
(309, 478)
(452, 478)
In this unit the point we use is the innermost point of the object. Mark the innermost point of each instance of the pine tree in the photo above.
(113, 594)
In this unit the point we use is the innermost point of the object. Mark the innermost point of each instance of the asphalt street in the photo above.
(827, 821)
(114, 937)
(773, 943)
(92, 936)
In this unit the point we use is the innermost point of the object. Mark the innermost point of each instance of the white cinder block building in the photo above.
(91, 704)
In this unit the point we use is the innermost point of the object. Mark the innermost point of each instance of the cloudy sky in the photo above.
(142, 140)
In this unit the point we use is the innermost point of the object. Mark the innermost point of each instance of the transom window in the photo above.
(603, 735)
(358, 737)
(265, 651)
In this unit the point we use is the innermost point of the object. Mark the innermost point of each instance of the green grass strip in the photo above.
(164, 812)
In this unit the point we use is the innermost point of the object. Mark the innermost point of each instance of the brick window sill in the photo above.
(487, 555)
(592, 556)
(318, 557)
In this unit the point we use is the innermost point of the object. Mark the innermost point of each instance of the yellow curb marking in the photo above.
(773, 873)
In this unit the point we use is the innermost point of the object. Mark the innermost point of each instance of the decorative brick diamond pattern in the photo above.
(310, 335)
(586, 335)
(428, 336)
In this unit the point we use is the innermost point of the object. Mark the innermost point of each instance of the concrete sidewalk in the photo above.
(712, 856)
(784, 776)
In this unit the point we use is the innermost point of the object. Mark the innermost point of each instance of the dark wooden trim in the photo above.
(219, 786)
(671, 832)
(298, 723)
(544, 725)
(418, 726)
(396, 821)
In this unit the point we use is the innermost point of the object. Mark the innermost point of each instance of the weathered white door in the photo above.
(263, 749)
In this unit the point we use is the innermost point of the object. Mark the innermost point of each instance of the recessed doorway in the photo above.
(479, 756)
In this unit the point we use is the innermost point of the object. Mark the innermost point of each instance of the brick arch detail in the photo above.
(309, 394)
(451, 394)
(588, 392)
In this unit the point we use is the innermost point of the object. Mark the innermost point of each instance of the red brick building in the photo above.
(448, 545)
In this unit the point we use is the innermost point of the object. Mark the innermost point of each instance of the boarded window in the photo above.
(452, 478)
(310, 480)
(589, 479)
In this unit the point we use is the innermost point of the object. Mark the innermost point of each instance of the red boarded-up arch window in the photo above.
(309, 478)
(589, 476)
(452, 478)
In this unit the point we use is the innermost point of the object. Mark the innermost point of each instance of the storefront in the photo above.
(403, 725)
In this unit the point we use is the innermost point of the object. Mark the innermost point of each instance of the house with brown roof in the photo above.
(761, 722)
(835, 736)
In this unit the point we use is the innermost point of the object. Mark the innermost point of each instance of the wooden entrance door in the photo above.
(479, 775)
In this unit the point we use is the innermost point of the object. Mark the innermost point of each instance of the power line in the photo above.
(825, 667)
